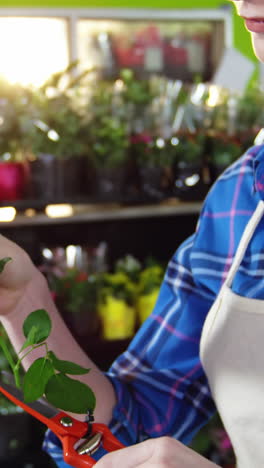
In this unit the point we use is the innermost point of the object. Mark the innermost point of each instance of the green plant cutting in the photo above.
(47, 376)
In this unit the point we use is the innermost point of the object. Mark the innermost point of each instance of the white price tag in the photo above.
(153, 59)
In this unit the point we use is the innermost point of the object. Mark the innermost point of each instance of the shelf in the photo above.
(85, 213)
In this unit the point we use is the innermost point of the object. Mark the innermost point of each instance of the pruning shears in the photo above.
(79, 439)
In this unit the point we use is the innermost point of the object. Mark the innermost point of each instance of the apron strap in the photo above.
(244, 241)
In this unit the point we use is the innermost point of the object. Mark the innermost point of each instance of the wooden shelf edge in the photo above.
(85, 213)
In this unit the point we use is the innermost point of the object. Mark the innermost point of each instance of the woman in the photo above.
(201, 347)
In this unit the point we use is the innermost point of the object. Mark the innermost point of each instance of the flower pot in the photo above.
(70, 178)
(118, 319)
(57, 180)
(151, 182)
(82, 323)
(192, 182)
(145, 305)
(110, 183)
(43, 177)
(13, 178)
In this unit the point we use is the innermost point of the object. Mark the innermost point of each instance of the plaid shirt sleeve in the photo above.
(159, 380)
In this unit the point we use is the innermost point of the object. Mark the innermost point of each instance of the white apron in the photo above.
(232, 354)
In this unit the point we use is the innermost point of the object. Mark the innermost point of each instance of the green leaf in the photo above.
(39, 319)
(31, 339)
(69, 394)
(36, 378)
(67, 367)
(3, 262)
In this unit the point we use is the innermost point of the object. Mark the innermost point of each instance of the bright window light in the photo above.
(32, 49)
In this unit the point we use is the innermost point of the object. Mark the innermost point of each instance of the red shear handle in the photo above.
(109, 441)
(72, 457)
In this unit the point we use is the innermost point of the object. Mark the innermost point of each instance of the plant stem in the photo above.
(10, 361)
(30, 350)
(7, 353)
(17, 377)
(15, 367)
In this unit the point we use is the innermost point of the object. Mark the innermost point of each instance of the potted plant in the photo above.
(54, 139)
(13, 167)
(136, 96)
(107, 139)
(117, 305)
(130, 266)
(192, 176)
(249, 114)
(149, 283)
(156, 158)
(76, 294)
(222, 151)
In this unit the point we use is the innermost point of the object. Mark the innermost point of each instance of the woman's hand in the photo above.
(16, 275)
(163, 452)
(24, 289)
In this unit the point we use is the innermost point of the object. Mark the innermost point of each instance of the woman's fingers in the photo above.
(163, 452)
(129, 457)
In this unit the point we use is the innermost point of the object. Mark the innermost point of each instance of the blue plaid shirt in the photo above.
(160, 384)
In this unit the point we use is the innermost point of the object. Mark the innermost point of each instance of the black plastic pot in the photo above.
(56, 180)
(43, 177)
(110, 183)
(70, 179)
(152, 182)
(82, 323)
(192, 182)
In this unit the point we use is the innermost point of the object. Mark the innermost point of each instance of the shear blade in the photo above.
(41, 405)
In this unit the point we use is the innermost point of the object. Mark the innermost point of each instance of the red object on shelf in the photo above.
(132, 53)
(149, 36)
(175, 55)
(13, 177)
(129, 57)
